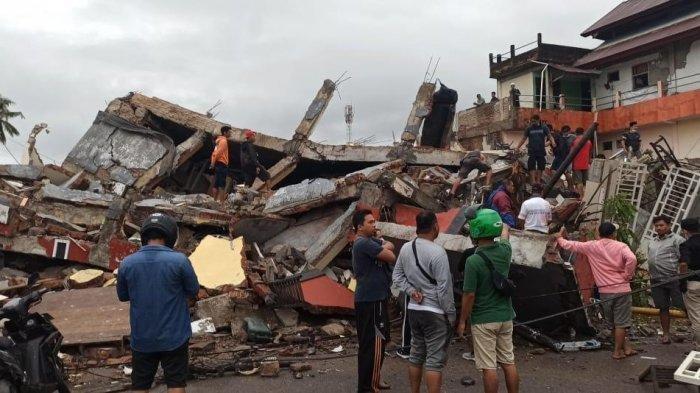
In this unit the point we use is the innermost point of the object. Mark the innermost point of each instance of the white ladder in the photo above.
(676, 199)
(630, 185)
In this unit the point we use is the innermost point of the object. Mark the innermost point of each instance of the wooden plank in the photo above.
(87, 316)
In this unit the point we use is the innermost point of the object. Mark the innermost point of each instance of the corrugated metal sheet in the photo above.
(625, 10)
(641, 43)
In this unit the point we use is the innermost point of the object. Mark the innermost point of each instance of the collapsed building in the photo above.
(143, 155)
(287, 249)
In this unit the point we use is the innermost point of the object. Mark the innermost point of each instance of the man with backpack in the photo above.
(422, 271)
(487, 303)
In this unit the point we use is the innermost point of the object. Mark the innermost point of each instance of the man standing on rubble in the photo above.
(564, 141)
(535, 135)
(535, 213)
(690, 261)
(632, 141)
(663, 257)
(250, 165)
(423, 272)
(158, 282)
(613, 265)
(219, 163)
(370, 256)
(472, 160)
(581, 162)
(489, 311)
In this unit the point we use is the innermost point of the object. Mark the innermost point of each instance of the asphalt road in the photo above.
(593, 371)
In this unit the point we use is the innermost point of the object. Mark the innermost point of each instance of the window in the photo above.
(607, 146)
(60, 249)
(613, 76)
(640, 76)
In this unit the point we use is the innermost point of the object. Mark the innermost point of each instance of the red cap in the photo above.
(248, 133)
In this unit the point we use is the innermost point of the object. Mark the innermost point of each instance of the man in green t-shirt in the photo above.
(491, 313)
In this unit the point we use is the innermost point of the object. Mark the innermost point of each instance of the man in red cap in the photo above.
(250, 166)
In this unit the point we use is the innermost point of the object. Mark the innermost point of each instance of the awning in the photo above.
(574, 70)
(609, 53)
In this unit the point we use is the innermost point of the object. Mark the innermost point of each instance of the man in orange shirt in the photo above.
(219, 163)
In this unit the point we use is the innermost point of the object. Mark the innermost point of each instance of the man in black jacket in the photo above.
(690, 261)
(250, 166)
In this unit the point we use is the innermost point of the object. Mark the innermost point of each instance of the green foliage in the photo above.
(6, 128)
(620, 211)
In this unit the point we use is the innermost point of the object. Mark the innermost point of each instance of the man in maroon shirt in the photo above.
(502, 202)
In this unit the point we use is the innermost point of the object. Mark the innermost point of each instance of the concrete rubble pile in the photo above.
(268, 262)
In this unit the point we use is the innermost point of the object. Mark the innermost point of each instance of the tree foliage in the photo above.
(6, 128)
(620, 211)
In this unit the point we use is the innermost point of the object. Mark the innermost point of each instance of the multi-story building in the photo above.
(646, 70)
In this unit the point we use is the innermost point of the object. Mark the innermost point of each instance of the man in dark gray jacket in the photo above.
(423, 271)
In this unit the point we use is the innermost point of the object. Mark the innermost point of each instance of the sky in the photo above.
(62, 62)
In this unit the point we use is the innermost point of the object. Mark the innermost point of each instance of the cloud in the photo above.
(63, 61)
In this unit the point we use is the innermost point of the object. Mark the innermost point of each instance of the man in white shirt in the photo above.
(535, 213)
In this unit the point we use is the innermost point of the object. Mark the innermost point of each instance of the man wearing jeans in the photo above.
(490, 312)
(423, 272)
(612, 264)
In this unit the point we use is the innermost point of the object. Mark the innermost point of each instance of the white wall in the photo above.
(687, 73)
(683, 137)
(524, 82)
(624, 84)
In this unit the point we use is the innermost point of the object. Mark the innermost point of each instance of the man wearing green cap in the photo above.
(490, 312)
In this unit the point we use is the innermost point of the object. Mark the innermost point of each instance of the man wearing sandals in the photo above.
(613, 264)
(663, 257)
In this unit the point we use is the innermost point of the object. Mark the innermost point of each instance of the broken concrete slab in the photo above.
(219, 308)
(20, 172)
(332, 241)
(86, 278)
(259, 228)
(528, 247)
(219, 262)
(288, 317)
(115, 150)
(408, 189)
(333, 329)
(421, 109)
(306, 229)
(55, 193)
(309, 194)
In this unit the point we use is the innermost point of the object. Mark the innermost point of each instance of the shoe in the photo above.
(468, 356)
(402, 353)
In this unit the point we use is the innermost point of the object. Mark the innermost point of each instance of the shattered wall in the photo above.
(116, 151)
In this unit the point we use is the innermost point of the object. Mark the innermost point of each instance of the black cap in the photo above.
(690, 224)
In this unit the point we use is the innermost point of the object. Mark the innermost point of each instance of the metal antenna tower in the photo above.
(349, 116)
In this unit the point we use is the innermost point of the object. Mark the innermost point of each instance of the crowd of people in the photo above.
(159, 281)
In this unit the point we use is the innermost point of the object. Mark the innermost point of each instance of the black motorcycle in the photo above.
(29, 349)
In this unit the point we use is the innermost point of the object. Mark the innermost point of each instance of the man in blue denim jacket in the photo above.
(158, 281)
